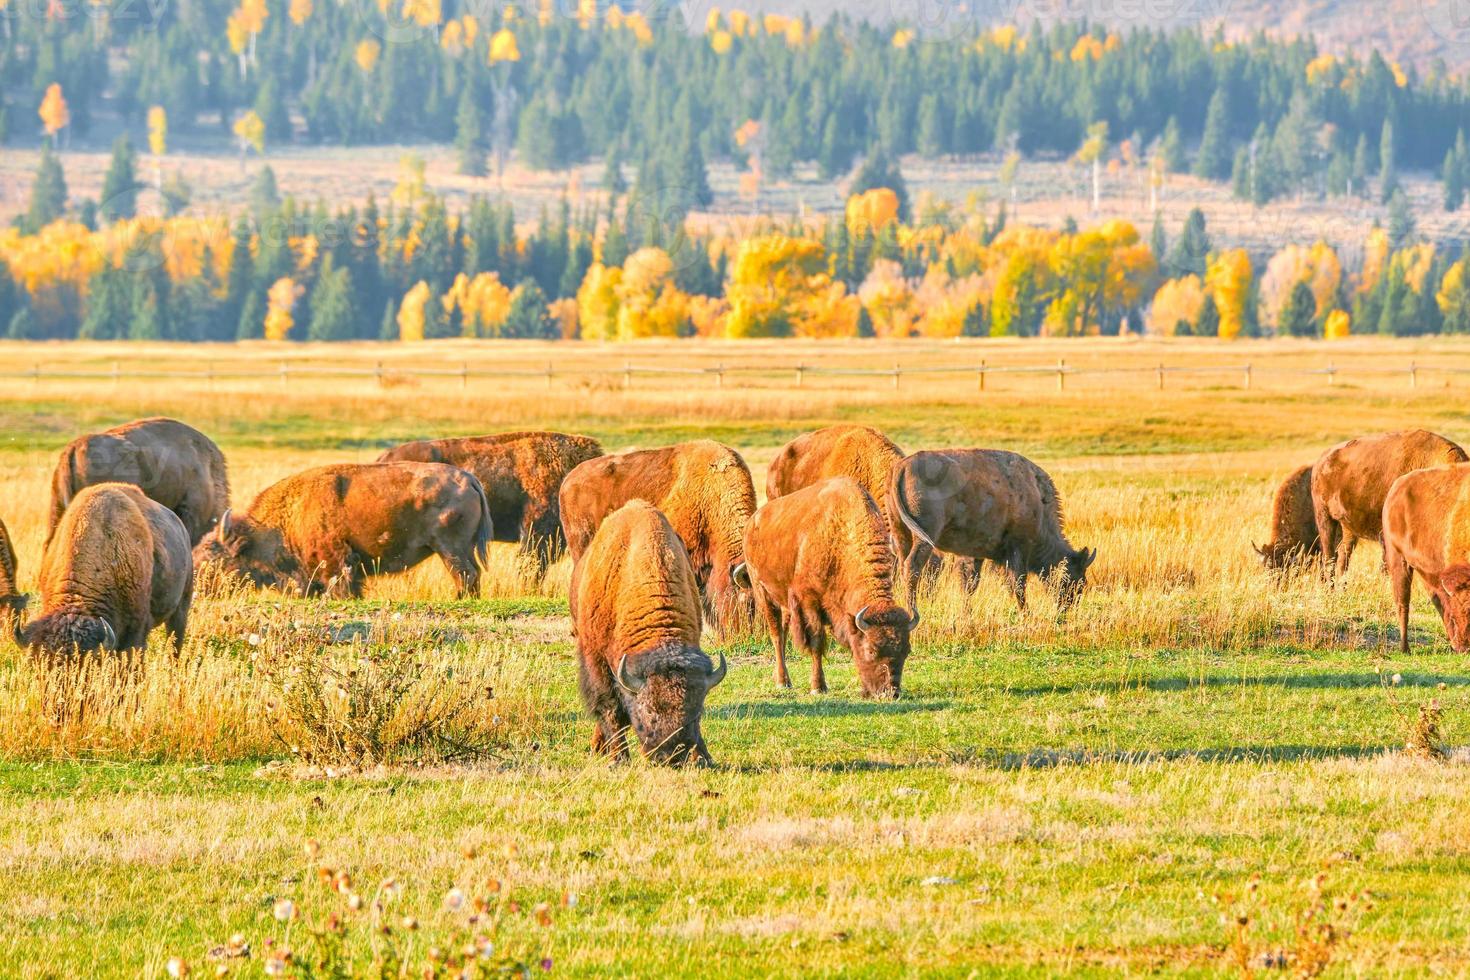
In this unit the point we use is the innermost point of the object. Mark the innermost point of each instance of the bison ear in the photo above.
(1089, 555)
(1258, 549)
(1455, 578)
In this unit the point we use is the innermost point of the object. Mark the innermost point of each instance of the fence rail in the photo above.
(799, 373)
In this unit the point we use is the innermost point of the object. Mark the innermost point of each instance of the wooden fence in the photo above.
(1244, 375)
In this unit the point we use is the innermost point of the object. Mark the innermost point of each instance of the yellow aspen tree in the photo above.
(1228, 278)
(366, 54)
(411, 312)
(597, 302)
(300, 11)
(54, 113)
(889, 299)
(871, 211)
(1337, 325)
(280, 301)
(504, 47)
(1178, 301)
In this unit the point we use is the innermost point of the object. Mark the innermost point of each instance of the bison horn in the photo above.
(627, 681)
(17, 630)
(717, 675)
(1259, 550)
(111, 641)
(860, 618)
(741, 575)
(913, 620)
(223, 531)
(1091, 555)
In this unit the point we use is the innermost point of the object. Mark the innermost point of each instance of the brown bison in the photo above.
(521, 473)
(1426, 530)
(174, 464)
(858, 451)
(988, 504)
(703, 488)
(1350, 483)
(819, 558)
(1293, 538)
(118, 565)
(636, 612)
(328, 528)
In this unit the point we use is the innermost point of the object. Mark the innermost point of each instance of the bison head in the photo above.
(1454, 603)
(64, 632)
(728, 601)
(879, 641)
(12, 602)
(1071, 577)
(663, 691)
(244, 548)
(1278, 557)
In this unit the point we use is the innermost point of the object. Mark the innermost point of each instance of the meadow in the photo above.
(1197, 771)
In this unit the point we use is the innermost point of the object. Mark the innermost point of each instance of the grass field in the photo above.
(1111, 793)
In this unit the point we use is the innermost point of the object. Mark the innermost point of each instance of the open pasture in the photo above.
(1079, 796)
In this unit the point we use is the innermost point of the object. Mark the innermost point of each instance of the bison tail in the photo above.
(900, 507)
(487, 526)
(63, 488)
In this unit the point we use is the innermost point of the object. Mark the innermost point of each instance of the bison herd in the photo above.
(663, 540)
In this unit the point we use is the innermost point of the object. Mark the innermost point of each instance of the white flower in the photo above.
(454, 899)
(177, 967)
(1398, 679)
(285, 910)
(253, 639)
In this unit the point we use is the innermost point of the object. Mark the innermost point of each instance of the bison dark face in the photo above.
(66, 632)
(664, 694)
(729, 603)
(242, 548)
(1280, 558)
(880, 645)
(1454, 603)
(1071, 577)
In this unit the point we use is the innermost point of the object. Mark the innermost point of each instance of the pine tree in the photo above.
(1157, 238)
(148, 314)
(1400, 219)
(1361, 166)
(1214, 158)
(109, 307)
(1171, 147)
(1388, 180)
(469, 137)
(333, 308)
(120, 185)
(10, 294)
(1240, 174)
(270, 106)
(613, 180)
(48, 193)
(1299, 313)
(528, 316)
(1192, 249)
(251, 325)
(23, 325)
(1451, 176)
(1209, 318)
(878, 171)
(388, 326)
(265, 197)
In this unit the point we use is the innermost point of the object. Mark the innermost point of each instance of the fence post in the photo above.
(284, 374)
(549, 369)
(627, 374)
(1247, 377)
(36, 373)
(378, 373)
(1331, 375)
(464, 375)
(720, 375)
(980, 376)
(116, 374)
(896, 374)
(800, 375)
(209, 373)
(1161, 377)
(1061, 375)
(1413, 375)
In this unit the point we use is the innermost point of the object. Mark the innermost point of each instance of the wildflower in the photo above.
(569, 900)
(1398, 679)
(342, 882)
(543, 915)
(485, 947)
(253, 639)
(546, 964)
(313, 848)
(470, 853)
(177, 967)
(276, 966)
(285, 910)
(354, 901)
(410, 923)
(454, 899)
(391, 887)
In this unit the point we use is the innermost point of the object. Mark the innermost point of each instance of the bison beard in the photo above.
(637, 618)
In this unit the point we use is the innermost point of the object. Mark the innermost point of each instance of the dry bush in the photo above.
(1319, 929)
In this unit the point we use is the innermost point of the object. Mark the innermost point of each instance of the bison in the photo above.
(327, 528)
(819, 558)
(521, 473)
(703, 488)
(1350, 484)
(987, 504)
(636, 607)
(1426, 530)
(1294, 539)
(174, 464)
(858, 451)
(117, 565)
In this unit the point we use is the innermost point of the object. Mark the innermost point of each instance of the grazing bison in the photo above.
(521, 473)
(1350, 483)
(819, 558)
(636, 610)
(327, 528)
(858, 451)
(118, 565)
(989, 504)
(1293, 538)
(704, 490)
(1426, 530)
(174, 464)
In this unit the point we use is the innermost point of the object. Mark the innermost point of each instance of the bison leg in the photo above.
(771, 613)
(818, 649)
(1345, 546)
(914, 562)
(1015, 568)
(178, 622)
(1401, 577)
(609, 718)
(465, 572)
(970, 569)
(1329, 537)
(811, 635)
(542, 542)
